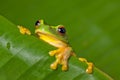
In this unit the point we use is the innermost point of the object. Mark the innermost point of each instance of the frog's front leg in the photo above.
(24, 30)
(52, 53)
(62, 55)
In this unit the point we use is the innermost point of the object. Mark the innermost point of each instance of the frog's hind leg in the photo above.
(90, 65)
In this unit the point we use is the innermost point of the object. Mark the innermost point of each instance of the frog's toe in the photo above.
(65, 67)
(52, 53)
(54, 65)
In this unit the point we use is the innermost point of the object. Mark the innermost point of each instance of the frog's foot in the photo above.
(24, 30)
(62, 55)
(90, 65)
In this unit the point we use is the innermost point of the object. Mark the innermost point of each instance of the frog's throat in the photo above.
(52, 40)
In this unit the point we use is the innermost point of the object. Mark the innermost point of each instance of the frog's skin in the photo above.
(56, 36)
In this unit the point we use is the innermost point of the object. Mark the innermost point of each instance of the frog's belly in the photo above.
(52, 40)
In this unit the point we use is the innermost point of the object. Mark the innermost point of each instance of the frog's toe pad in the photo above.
(53, 66)
(64, 67)
(51, 53)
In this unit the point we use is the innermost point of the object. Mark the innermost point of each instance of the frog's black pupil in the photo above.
(37, 23)
(61, 30)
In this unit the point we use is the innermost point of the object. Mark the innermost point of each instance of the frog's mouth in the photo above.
(40, 34)
(50, 39)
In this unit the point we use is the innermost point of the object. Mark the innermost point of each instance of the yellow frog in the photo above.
(56, 36)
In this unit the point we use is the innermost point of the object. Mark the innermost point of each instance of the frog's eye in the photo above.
(37, 23)
(61, 30)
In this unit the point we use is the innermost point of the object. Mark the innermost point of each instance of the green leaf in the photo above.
(24, 57)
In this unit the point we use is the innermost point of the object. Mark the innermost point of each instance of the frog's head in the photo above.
(54, 32)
